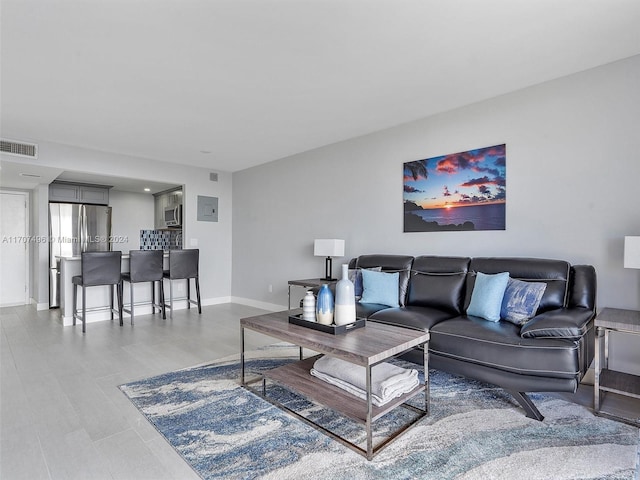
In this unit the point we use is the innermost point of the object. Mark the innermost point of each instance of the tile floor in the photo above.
(61, 413)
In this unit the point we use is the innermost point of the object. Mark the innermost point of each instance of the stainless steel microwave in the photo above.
(173, 216)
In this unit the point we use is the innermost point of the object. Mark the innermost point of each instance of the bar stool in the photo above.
(98, 269)
(145, 266)
(183, 265)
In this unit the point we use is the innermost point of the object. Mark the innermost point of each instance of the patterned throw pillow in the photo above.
(355, 275)
(487, 294)
(521, 300)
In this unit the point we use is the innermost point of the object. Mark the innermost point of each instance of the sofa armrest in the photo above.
(560, 323)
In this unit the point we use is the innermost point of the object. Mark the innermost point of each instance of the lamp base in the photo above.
(328, 270)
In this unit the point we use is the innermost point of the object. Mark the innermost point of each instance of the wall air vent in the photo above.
(20, 149)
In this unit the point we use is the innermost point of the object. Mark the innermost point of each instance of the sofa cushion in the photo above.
(561, 323)
(380, 288)
(499, 345)
(487, 295)
(420, 318)
(365, 310)
(521, 300)
(555, 273)
(438, 282)
(390, 263)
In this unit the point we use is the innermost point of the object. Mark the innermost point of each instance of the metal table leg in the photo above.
(597, 366)
(242, 355)
(425, 372)
(368, 424)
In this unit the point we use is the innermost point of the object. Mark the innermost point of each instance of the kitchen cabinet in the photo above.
(79, 193)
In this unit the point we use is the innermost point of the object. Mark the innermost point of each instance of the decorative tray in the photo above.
(333, 329)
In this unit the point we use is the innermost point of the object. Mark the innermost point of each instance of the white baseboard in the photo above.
(39, 306)
(273, 307)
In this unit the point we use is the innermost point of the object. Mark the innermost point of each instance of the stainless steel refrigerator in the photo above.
(75, 228)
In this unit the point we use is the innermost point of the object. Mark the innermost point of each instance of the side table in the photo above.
(307, 283)
(606, 380)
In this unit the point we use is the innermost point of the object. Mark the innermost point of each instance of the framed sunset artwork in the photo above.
(459, 191)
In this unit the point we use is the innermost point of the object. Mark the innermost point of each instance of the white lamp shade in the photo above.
(631, 252)
(328, 247)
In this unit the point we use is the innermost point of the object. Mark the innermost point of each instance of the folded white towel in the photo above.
(387, 381)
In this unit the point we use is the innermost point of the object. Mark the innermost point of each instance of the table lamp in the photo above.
(631, 252)
(328, 247)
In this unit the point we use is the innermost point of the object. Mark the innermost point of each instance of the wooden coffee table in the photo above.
(367, 347)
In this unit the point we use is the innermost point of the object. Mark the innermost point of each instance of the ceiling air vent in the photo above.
(19, 149)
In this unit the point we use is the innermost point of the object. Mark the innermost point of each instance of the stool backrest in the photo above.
(145, 265)
(184, 263)
(101, 268)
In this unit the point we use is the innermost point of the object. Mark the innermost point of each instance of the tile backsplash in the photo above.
(160, 239)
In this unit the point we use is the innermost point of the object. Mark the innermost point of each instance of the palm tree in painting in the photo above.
(416, 170)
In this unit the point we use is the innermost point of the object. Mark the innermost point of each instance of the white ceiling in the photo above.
(251, 81)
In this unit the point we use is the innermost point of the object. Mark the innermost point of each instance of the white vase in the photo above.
(309, 307)
(345, 304)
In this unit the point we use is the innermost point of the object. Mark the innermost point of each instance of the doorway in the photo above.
(14, 248)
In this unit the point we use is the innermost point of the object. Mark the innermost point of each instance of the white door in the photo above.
(14, 245)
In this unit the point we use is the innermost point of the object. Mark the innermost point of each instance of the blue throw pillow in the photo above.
(486, 298)
(521, 300)
(380, 288)
(355, 275)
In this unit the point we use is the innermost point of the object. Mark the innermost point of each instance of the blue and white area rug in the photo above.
(474, 431)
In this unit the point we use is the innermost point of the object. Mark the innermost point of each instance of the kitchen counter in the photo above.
(98, 297)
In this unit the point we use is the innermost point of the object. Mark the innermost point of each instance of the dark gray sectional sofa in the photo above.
(549, 353)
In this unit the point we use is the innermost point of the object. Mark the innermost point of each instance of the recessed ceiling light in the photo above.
(205, 152)
(29, 175)
(147, 189)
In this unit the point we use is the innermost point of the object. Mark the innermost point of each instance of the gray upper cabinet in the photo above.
(79, 193)
(97, 195)
(63, 192)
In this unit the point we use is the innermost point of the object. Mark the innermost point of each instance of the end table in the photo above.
(606, 380)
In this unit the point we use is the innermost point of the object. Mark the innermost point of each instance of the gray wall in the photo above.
(572, 188)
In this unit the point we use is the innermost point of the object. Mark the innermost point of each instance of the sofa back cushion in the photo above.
(390, 264)
(438, 282)
(555, 273)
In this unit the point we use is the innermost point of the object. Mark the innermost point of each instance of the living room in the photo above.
(571, 166)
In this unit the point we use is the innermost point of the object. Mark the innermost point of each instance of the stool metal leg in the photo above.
(164, 312)
(131, 297)
(153, 297)
(84, 309)
(120, 290)
(74, 310)
(171, 298)
(198, 295)
(188, 293)
(111, 301)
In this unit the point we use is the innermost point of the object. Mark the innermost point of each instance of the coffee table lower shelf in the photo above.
(296, 377)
